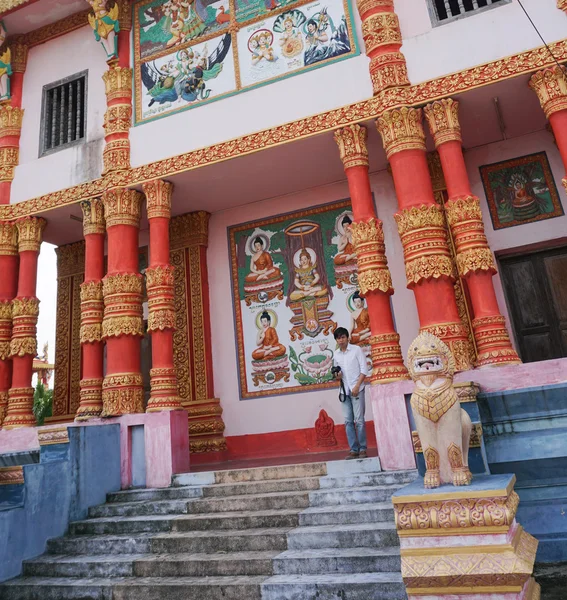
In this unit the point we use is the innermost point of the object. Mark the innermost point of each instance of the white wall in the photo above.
(476, 39)
(64, 56)
(296, 411)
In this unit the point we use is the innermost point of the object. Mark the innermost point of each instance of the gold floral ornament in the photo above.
(388, 70)
(381, 29)
(93, 217)
(104, 21)
(351, 141)
(158, 197)
(25, 312)
(117, 83)
(10, 120)
(122, 207)
(3, 405)
(122, 305)
(387, 361)
(90, 395)
(365, 6)
(122, 394)
(5, 328)
(443, 120)
(9, 159)
(401, 129)
(92, 311)
(30, 230)
(20, 408)
(550, 85)
(164, 394)
(8, 239)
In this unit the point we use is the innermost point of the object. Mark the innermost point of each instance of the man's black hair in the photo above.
(339, 331)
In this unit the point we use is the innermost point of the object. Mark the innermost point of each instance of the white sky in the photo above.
(47, 294)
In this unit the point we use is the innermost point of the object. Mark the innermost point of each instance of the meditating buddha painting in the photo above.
(521, 191)
(294, 281)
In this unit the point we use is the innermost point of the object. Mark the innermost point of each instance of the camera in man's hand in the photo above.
(335, 371)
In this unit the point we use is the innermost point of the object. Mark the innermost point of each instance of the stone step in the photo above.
(347, 514)
(99, 544)
(367, 479)
(207, 565)
(132, 509)
(272, 501)
(137, 588)
(337, 468)
(211, 541)
(105, 565)
(118, 525)
(153, 495)
(358, 586)
(337, 560)
(256, 474)
(238, 520)
(358, 495)
(362, 535)
(261, 487)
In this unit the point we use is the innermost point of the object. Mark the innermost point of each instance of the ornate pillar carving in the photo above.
(374, 278)
(8, 288)
(92, 311)
(122, 325)
(66, 388)
(429, 268)
(383, 40)
(25, 310)
(161, 306)
(475, 262)
(550, 85)
(117, 119)
(192, 337)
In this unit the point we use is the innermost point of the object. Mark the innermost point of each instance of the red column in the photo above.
(117, 118)
(374, 278)
(550, 85)
(25, 310)
(429, 267)
(122, 326)
(161, 307)
(475, 262)
(8, 289)
(92, 309)
(11, 115)
(383, 40)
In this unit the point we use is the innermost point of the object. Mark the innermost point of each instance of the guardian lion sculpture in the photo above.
(444, 428)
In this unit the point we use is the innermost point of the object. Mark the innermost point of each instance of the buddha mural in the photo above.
(261, 264)
(267, 340)
(264, 280)
(307, 281)
(346, 253)
(360, 321)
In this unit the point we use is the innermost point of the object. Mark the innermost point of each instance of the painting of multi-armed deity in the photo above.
(192, 51)
(294, 280)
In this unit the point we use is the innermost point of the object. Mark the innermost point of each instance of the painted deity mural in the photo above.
(192, 51)
(294, 282)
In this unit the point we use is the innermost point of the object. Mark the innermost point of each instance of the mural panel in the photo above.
(294, 280)
(192, 51)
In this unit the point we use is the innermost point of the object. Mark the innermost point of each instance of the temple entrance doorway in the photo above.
(535, 286)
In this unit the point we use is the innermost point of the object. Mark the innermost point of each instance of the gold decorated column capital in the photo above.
(191, 229)
(8, 239)
(351, 141)
(117, 83)
(18, 55)
(93, 216)
(401, 129)
(158, 198)
(122, 207)
(11, 118)
(443, 120)
(366, 7)
(550, 85)
(30, 230)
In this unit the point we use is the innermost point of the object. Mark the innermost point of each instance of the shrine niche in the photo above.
(294, 280)
(187, 53)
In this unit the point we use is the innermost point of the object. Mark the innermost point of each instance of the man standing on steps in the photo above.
(351, 369)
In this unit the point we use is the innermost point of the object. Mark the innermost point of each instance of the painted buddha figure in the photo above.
(306, 279)
(360, 321)
(261, 265)
(524, 205)
(346, 254)
(267, 340)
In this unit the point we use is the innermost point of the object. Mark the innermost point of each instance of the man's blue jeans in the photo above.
(353, 411)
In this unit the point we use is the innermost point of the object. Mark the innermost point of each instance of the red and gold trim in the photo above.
(402, 129)
(20, 408)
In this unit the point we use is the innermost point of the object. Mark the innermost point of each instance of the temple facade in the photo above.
(228, 182)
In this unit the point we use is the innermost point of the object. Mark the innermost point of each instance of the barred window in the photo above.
(64, 113)
(445, 10)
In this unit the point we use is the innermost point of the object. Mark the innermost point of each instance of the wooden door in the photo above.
(536, 291)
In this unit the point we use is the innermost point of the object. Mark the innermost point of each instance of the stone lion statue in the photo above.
(444, 428)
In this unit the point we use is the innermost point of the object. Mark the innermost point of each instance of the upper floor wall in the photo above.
(213, 84)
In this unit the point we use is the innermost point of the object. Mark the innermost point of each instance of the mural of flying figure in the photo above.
(186, 80)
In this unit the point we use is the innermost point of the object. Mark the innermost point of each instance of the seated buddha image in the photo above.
(524, 202)
(346, 254)
(360, 321)
(261, 265)
(307, 279)
(267, 340)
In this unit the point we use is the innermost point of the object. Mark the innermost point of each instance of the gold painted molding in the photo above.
(413, 96)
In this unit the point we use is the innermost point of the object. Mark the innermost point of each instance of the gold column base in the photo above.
(20, 409)
(206, 426)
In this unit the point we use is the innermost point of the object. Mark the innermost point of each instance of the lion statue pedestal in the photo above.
(457, 542)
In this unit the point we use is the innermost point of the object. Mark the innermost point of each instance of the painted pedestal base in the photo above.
(465, 542)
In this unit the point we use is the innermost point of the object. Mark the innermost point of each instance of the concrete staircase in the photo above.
(295, 532)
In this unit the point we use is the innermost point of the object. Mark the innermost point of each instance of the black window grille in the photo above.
(447, 9)
(64, 113)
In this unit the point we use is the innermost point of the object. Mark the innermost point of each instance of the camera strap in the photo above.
(342, 393)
